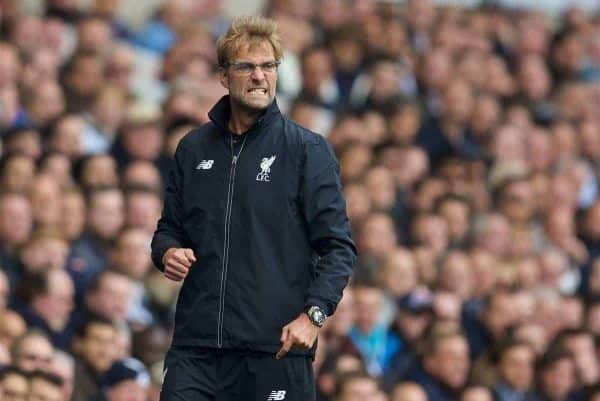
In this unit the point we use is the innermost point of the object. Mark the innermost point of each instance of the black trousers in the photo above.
(206, 374)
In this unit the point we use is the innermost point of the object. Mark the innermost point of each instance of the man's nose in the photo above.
(257, 74)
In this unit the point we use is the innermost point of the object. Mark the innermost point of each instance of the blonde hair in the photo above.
(252, 30)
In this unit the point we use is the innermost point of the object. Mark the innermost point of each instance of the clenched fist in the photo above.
(177, 262)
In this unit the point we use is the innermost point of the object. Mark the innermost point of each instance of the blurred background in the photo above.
(468, 136)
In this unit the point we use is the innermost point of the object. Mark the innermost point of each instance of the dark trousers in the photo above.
(205, 374)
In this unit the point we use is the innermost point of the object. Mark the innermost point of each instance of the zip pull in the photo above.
(234, 161)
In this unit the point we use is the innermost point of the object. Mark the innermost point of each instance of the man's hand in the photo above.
(177, 262)
(300, 332)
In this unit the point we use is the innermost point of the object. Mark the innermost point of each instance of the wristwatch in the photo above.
(316, 315)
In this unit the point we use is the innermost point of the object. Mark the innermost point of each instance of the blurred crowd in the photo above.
(469, 148)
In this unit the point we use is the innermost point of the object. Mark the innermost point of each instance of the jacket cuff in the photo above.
(320, 303)
(159, 251)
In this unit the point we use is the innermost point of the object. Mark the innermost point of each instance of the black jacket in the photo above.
(269, 230)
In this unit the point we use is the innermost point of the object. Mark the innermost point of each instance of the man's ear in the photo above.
(223, 77)
(77, 344)
(429, 363)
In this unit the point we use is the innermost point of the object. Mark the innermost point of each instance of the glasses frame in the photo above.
(247, 68)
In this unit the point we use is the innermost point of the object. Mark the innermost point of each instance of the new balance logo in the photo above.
(205, 165)
(276, 395)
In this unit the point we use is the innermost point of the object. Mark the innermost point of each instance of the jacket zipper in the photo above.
(230, 187)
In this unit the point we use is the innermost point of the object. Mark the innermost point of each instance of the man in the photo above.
(556, 375)
(48, 300)
(408, 391)
(95, 352)
(516, 372)
(63, 366)
(110, 295)
(16, 222)
(357, 386)
(377, 345)
(90, 253)
(445, 366)
(45, 386)
(14, 384)
(126, 380)
(581, 344)
(255, 221)
(414, 314)
(33, 351)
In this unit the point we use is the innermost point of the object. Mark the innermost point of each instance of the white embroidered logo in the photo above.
(205, 165)
(276, 395)
(265, 167)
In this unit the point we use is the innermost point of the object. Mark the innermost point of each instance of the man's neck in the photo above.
(241, 120)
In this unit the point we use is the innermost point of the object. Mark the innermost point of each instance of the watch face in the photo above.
(320, 316)
(317, 316)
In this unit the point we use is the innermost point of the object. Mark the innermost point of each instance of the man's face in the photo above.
(517, 201)
(128, 390)
(113, 297)
(59, 300)
(500, 313)
(19, 173)
(558, 380)
(143, 211)
(456, 215)
(516, 367)
(45, 198)
(450, 363)
(360, 390)
(36, 354)
(100, 170)
(254, 91)
(73, 215)
(586, 363)
(42, 390)
(106, 214)
(132, 254)
(413, 325)
(368, 304)
(14, 387)
(98, 346)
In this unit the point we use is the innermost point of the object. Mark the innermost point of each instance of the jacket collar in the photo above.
(221, 111)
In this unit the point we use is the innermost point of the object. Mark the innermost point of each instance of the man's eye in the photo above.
(244, 67)
(269, 66)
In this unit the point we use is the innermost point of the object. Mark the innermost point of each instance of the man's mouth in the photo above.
(257, 91)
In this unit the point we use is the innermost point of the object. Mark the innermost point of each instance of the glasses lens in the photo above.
(243, 68)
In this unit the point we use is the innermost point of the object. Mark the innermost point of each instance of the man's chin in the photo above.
(255, 105)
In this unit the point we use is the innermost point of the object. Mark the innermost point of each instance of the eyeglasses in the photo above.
(246, 68)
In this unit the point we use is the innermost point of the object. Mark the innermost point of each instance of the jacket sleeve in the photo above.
(169, 231)
(324, 209)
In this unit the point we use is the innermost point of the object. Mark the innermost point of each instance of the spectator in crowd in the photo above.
(556, 374)
(33, 351)
(408, 391)
(14, 384)
(357, 386)
(444, 367)
(45, 386)
(515, 372)
(63, 366)
(110, 296)
(90, 252)
(16, 222)
(126, 379)
(48, 300)
(94, 353)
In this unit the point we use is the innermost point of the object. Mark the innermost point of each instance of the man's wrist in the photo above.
(165, 255)
(316, 315)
